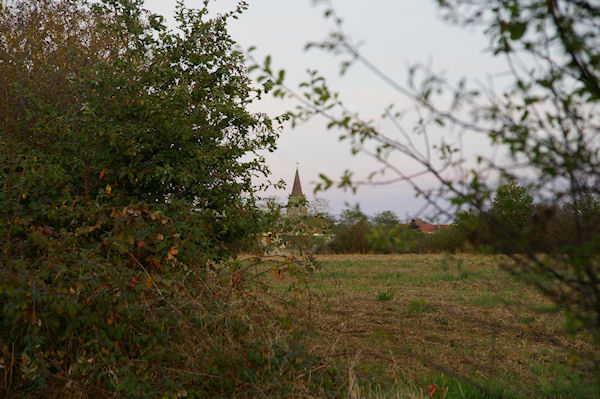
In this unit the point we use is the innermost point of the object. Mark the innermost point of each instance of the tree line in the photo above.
(514, 222)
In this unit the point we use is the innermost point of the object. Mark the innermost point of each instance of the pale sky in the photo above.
(395, 33)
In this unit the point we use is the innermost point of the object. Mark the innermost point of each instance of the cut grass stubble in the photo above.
(423, 316)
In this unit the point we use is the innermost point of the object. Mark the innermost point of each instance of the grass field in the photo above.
(440, 326)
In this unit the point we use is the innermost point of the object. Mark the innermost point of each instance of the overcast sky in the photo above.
(395, 33)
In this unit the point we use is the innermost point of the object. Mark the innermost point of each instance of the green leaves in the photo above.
(517, 30)
(121, 183)
(160, 115)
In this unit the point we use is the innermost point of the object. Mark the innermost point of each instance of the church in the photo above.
(296, 206)
(305, 232)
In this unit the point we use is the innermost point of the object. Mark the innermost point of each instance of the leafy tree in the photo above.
(386, 218)
(545, 121)
(350, 217)
(105, 106)
(350, 232)
(512, 206)
(384, 232)
(121, 182)
(511, 212)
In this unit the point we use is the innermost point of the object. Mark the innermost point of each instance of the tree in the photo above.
(511, 212)
(319, 207)
(512, 206)
(386, 218)
(115, 108)
(545, 121)
(387, 235)
(350, 232)
(121, 182)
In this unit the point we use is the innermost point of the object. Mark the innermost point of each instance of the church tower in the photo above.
(296, 206)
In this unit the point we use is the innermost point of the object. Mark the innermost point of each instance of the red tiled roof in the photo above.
(427, 228)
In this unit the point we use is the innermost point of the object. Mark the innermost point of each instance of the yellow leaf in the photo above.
(148, 282)
(24, 195)
(108, 189)
(572, 359)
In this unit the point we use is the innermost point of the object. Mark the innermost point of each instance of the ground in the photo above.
(450, 325)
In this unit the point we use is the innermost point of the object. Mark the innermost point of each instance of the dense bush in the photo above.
(88, 320)
(104, 107)
(122, 188)
(350, 233)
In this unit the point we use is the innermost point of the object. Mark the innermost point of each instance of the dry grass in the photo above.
(413, 320)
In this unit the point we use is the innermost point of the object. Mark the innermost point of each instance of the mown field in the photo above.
(439, 326)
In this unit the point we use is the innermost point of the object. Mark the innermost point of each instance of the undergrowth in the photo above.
(94, 314)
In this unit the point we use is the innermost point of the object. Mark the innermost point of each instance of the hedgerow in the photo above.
(122, 187)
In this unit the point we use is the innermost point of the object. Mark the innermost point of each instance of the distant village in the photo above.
(349, 232)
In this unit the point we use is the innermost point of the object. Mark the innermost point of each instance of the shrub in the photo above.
(84, 324)
(350, 233)
(122, 187)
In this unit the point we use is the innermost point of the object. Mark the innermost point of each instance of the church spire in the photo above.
(297, 189)
(296, 206)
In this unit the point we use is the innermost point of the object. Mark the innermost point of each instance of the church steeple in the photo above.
(296, 201)
(297, 189)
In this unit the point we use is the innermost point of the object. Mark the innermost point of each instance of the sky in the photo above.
(394, 34)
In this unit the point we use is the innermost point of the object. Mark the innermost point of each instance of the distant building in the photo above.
(305, 233)
(296, 206)
(425, 227)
